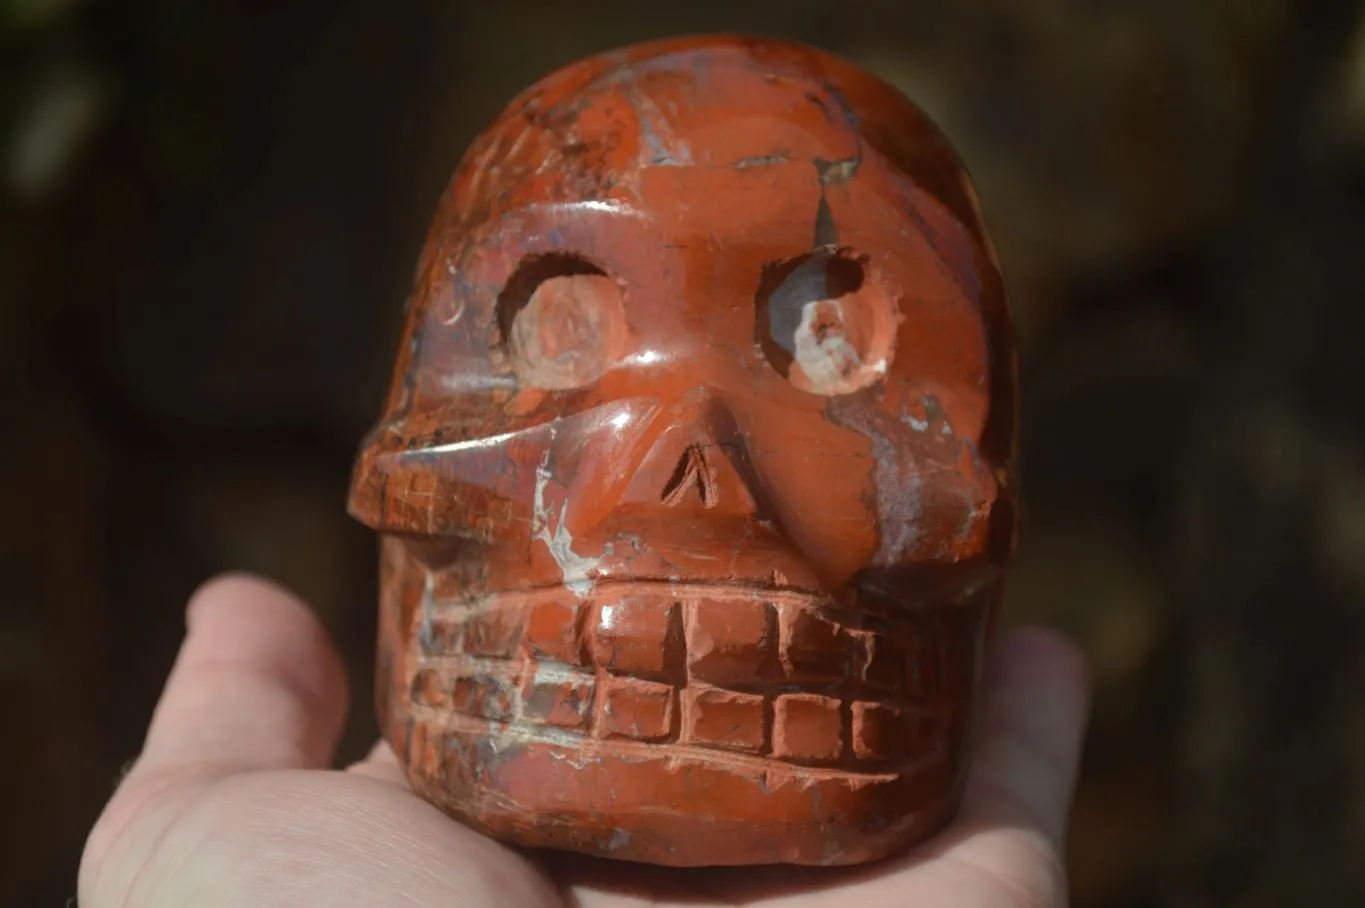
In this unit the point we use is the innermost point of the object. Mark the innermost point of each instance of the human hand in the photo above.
(232, 803)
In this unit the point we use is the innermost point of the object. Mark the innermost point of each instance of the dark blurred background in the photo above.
(210, 216)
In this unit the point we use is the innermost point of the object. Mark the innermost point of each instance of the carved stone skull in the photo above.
(695, 479)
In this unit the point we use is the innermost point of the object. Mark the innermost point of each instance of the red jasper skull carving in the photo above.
(694, 482)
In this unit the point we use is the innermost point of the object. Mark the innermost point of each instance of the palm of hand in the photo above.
(231, 805)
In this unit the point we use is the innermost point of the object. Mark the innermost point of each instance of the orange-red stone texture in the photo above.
(695, 482)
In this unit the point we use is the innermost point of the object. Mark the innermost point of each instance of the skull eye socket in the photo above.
(562, 320)
(823, 324)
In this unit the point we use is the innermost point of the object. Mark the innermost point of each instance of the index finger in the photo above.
(1037, 698)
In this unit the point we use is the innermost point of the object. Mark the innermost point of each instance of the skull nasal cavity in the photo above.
(694, 475)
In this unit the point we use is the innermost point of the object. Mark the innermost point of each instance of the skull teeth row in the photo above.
(801, 728)
(749, 675)
(745, 644)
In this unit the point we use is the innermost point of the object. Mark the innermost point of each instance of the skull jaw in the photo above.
(619, 805)
(534, 766)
